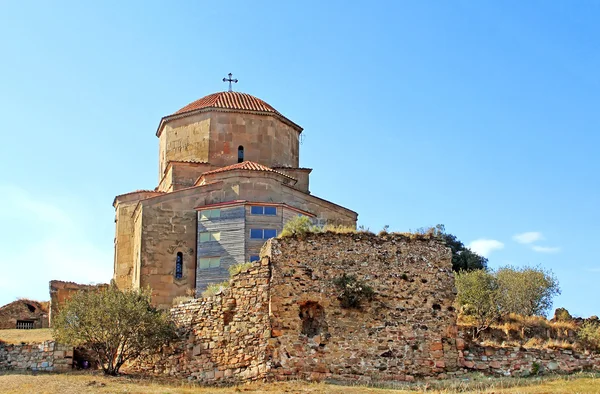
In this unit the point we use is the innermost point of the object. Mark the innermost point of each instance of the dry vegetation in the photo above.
(92, 383)
(26, 336)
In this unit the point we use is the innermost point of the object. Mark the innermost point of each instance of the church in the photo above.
(228, 180)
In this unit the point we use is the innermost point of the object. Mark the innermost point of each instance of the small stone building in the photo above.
(228, 180)
(24, 314)
(61, 291)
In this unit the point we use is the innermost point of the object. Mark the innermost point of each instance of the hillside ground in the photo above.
(96, 383)
(28, 336)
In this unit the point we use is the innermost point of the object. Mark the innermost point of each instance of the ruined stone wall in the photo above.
(224, 337)
(61, 291)
(47, 356)
(519, 361)
(407, 330)
(282, 319)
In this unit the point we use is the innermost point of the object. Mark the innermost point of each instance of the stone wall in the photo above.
(61, 291)
(47, 356)
(282, 318)
(519, 361)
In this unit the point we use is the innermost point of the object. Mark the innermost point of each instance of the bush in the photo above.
(214, 289)
(237, 268)
(478, 297)
(352, 291)
(116, 326)
(299, 226)
(526, 291)
(589, 335)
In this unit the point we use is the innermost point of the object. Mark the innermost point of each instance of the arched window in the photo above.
(179, 266)
(240, 154)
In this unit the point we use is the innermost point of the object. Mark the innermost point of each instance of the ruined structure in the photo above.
(61, 291)
(229, 178)
(283, 317)
(24, 314)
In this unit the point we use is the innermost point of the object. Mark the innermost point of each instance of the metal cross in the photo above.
(230, 80)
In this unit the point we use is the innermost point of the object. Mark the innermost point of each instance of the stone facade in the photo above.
(47, 356)
(24, 314)
(61, 291)
(282, 319)
(226, 148)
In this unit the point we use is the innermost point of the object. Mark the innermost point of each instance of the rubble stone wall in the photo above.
(519, 361)
(61, 291)
(282, 319)
(47, 356)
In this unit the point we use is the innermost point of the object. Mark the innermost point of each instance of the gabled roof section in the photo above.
(228, 101)
(245, 166)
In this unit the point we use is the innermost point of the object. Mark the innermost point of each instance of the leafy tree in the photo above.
(478, 297)
(115, 325)
(526, 291)
(463, 258)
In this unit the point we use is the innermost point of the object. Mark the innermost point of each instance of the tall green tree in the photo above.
(115, 325)
(478, 297)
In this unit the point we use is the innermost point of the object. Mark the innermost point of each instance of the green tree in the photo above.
(478, 297)
(463, 258)
(115, 325)
(526, 291)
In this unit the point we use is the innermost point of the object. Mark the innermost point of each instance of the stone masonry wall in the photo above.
(407, 330)
(224, 336)
(47, 356)
(61, 291)
(281, 319)
(519, 361)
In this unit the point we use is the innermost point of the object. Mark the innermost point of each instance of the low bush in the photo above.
(214, 289)
(237, 268)
(352, 291)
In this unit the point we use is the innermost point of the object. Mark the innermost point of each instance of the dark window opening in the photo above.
(30, 307)
(24, 325)
(313, 319)
(179, 266)
(240, 154)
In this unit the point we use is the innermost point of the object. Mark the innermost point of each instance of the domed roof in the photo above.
(229, 100)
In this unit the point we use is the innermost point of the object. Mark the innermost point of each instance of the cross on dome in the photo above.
(230, 80)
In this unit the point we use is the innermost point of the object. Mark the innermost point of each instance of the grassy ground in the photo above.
(27, 336)
(93, 383)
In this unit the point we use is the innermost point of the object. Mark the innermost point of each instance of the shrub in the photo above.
(214, 289)
(589, 335)
(352, 291)
(237, 268)
(526, 291)
(116, 326)
(339, 229)
(298, 226)
(478, 296)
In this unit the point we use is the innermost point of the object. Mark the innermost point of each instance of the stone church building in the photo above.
(228, 180)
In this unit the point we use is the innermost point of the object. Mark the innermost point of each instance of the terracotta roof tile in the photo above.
(229, 100)
(246, 166)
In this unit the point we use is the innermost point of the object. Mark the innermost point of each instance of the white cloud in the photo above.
(485, 247)
(529, 237)
(51, 244)
(545, 249)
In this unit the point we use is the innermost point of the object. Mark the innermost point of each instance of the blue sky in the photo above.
(482, 116)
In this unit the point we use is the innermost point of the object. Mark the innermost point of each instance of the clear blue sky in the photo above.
(482, 116)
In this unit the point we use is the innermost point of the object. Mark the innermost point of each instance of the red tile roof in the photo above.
(246, 166)
(229, 100)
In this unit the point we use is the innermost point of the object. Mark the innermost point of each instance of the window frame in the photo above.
(179, 266)
(213, 236)
(262, 232)
(210, 214)
(262, 210)
(211, 260)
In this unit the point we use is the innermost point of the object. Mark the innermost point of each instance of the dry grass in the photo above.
(94, 383)
(27, 336)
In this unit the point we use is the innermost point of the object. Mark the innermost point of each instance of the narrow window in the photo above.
(240, 154)
(179, 266)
